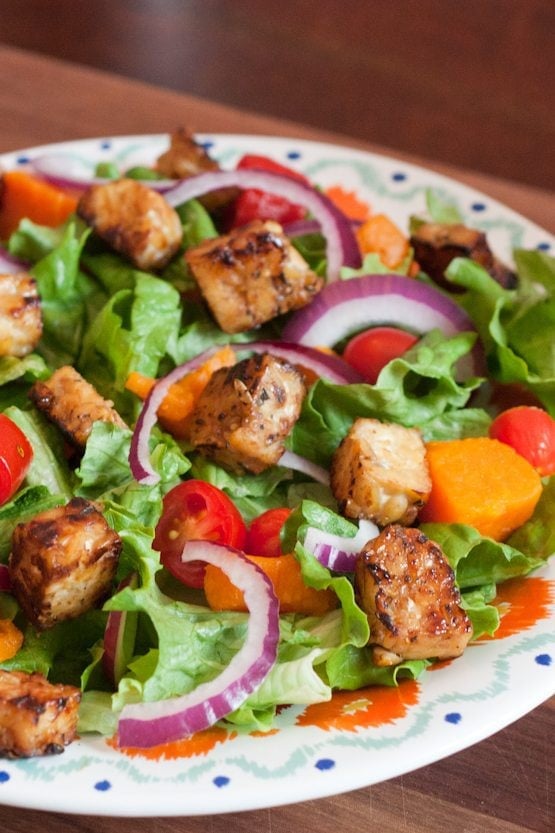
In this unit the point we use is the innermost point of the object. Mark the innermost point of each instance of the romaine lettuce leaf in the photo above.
(413, 390)
(133, 331)
(515, 326)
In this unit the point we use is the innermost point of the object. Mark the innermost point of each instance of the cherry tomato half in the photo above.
(531, 432)
(370, 351)
(195, 510)
(253, 204)
(263, 537)
(16, 454)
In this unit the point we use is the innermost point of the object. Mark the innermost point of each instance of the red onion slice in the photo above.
(290, 460)
(10, 265)
(69, 172)
(120, 625)
(331, 367)
(5, 581)
(149, 724)
(341, 244)
(337, 552)
(372, 300)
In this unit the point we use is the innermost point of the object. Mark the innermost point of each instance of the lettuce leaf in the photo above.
(537, 535)
(68, 298)
(515, 326)
(133, 331)
(414, 390)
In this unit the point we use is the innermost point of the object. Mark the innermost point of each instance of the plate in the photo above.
(362, 737)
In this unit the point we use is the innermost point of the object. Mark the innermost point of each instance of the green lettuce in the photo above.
(68, 299)
(515, 326)
(413, 390)
(135, 330)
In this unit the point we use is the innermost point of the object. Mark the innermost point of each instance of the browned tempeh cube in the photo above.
(36, 717)
(407, 588)
(252, 275)
(245, 412)
(71, 403)
(20, 314)
(134, 220)
(63, 562)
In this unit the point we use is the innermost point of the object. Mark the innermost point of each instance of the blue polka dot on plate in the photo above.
(106, 144)
(324, 763)
(453, 717)
(294, 154)
(4, 776)
(544, 659)
(102, 786)
(220, 781)
(23, 160)
(398, 176)
(544, 246)
(478, 206)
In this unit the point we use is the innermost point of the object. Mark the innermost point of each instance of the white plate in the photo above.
(353, 742)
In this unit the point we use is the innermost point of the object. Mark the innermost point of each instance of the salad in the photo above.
(227, 583)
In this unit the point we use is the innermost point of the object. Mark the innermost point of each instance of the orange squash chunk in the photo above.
(24, 195)
(11, 639)
(285, 574)
(480, 482)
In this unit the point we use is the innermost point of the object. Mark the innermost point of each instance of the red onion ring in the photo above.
(322, 364)
(61, 170)
(290, 460)
(10, 265)
(149, 724)
(113, 660)
(371, 300)
(336, 552)
(341, 244)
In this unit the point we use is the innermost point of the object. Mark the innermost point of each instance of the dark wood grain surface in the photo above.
(470, 84)
(504, 783)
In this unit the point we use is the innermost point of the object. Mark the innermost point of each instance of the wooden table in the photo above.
(503, 784)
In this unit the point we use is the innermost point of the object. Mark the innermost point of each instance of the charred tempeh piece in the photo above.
(437, 244)
(245, 412)
(20, 315)
(63, 562)
(186, 157)
(36, 717)
(73, 404)
(252, 275)
(407, 588)
(379, 472)
(134, 220)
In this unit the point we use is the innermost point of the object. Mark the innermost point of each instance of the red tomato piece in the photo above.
(253, 204)
(531, 432)
(16, 454)
(263, 537)
(264, 163)
(195, 510)
(370, 351)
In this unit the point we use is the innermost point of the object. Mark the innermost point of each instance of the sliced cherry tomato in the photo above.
(264, 533)
(531, 432)
(195, 510)
(16, 454)
(253, 204)
(370, 351)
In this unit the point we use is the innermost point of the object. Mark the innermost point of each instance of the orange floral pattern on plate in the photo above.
(353, 710)
(522, 602)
